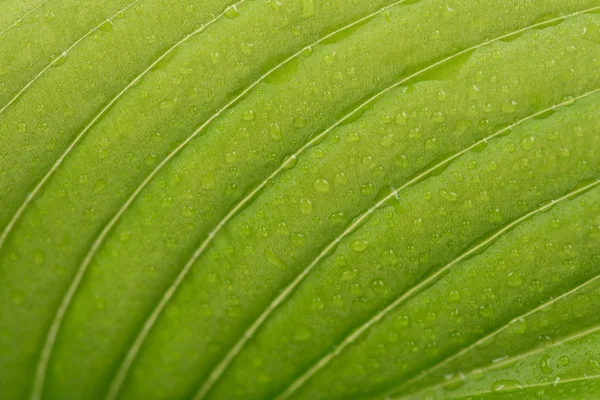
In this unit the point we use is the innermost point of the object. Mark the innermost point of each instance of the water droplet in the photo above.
(519, 326)
(349, 275)
(448, 195)
(527, 143)
(402, 118)
(306, 206)
(188, 211)
(274, 259)
(495, 215)
(232, 11)
(290, 161)
(215, 57)
(275, 131)
(297, 239)
(378, 286)
(454, 296)
(322, 186)
(208, 180)
(353, 137)
(402, 321)
(337, 300)
(340, 179)
(247, 48)
(514, 280)
(317, 303)
(402, 162)
(51, 144)
(231, 157)
(106, 27)
(355, 289)
(99, 186)
(486, 311)
(387, 140)
(545, 365)
(248, 115)
(330, 58)
(359, 245)
(60, 60)
(367, 189)
(441, 95)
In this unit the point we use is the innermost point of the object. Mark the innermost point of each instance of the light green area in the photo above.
(299, 199)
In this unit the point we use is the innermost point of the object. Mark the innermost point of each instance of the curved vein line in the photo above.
(292, 286)
(63, 54)
(511, 360)
(132, 353)
(222, 366)
(116, 384)
(546, 384)
(46, 353)
(497, 331)
(532, 386)
(417, 288)
(23, 17)
(96, 118)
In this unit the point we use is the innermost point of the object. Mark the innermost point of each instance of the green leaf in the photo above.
(299, 199)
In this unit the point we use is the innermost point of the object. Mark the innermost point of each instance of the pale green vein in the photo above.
(554, 383)
(22, 18)
(222, 366)
(46, 353)
(421, 285)
(40, 373)
(96, 118)
(133, 351)
(63, 54)
(511, 360)
(292, 286)
(499, 330)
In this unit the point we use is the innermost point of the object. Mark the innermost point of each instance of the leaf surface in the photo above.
(299, 199)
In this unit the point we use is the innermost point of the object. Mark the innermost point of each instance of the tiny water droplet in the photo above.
(359, 245)
(322, 186)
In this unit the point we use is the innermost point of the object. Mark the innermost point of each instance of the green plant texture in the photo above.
(299, 199)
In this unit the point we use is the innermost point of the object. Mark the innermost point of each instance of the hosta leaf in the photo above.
(299, 199)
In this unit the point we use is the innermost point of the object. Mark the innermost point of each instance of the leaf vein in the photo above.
(222, 366)
(63, 53)
(23, 17)
(46, 352)
(132, 352)
(421, 285)
(497, 331)
(290, 288)
(491, 366)
(96, 118)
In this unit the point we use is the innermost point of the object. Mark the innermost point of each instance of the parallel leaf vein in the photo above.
(63, 54)
(239, 345)
(53, 331)
(498, 330)
(511, 360)
(320, 364)
(16, 22)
